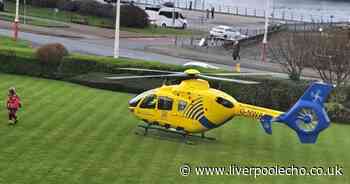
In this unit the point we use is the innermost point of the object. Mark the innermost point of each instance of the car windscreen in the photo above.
(181, 16)
(169, 14)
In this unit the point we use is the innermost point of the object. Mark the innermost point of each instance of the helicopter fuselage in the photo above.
(192, 107)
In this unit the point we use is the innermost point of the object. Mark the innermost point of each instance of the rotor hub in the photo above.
(192, 72)
(308, 119)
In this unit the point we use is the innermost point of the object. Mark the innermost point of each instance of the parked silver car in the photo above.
(226, 33)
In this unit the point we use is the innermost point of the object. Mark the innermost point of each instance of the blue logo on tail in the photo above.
(308, 116)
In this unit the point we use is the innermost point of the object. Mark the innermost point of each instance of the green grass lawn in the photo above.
(64, 16)
(30, 21)
(73, 134)
(151, 30)
(9, 42)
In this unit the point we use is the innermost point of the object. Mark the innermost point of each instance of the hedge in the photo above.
(89, 70)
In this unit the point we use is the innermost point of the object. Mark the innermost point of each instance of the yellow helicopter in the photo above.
(193, 107)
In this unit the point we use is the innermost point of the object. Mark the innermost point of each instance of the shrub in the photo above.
(72, 6)
(88, 7)
(50, 57)
(130, 15)
(45, 3)
(19, 61)
(133, 16)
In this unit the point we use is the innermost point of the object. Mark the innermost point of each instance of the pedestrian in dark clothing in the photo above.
(236, 49)
(190, 8)
(13, 104)
(212, 12)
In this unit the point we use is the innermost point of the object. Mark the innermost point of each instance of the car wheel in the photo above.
(163, 25)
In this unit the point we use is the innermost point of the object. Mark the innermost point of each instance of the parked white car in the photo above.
(226, 33)
(167, 17)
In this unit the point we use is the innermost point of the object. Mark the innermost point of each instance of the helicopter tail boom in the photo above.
(308, 116)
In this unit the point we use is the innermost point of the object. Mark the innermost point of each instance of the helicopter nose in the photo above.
(132, 109)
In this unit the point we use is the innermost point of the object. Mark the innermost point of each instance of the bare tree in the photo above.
(292, 51)
(331, 57)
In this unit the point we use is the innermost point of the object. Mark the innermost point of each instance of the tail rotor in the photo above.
(308, 117)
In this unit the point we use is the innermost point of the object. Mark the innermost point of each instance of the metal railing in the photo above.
(281, 14)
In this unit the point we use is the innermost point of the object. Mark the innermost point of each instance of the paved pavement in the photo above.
(247, 61)
(198, 20)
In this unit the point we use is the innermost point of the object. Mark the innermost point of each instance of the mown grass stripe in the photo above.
(69, 144)
(88, 127)
(19, 148)
(161, 163)
(129, 148)
(93, 166)
(28, 116)
(111, 161)
(60, 131)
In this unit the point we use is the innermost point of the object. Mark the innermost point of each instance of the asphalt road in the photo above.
(129, 47)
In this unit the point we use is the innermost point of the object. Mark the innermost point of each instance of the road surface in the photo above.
(131, 48)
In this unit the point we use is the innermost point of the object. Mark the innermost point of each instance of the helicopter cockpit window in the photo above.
(224, 102)
(133, 103)
(165, 103)
(182, 106)
(136, 100)
(149, 102)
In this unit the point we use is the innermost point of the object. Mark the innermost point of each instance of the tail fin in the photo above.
(308, 116)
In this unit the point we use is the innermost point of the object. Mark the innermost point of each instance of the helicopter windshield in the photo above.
(135, 101)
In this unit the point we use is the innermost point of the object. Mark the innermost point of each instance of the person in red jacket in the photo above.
(13, 104)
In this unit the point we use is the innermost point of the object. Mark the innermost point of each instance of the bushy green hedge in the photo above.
(276, 94)
(130, 15)
(19, 61)
(133, 16)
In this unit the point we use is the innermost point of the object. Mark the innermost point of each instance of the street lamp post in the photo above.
(174, 13)
(331, 18)
(24, 11)
(267, 14)
(117, 27)
(15, 24)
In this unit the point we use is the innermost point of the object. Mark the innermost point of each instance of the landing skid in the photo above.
(185, 135)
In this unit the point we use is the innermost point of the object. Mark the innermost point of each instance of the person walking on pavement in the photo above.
(236, 50)
(212, 12)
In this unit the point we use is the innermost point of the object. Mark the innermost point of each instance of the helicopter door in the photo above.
(148, 107)
(165, 106)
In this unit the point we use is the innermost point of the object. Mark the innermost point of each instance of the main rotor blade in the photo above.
(228, 80)
(148, 70)
(240, 74)
(145, 76)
